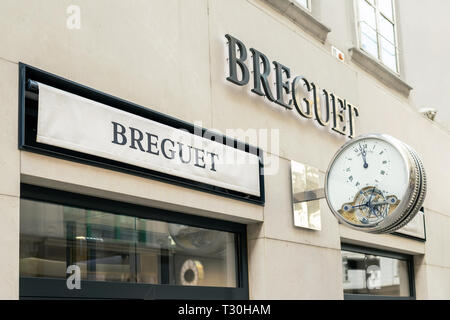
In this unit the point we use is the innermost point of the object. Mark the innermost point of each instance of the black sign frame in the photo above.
(28, 112)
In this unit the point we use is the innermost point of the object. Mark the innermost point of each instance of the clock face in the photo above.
(367, 180)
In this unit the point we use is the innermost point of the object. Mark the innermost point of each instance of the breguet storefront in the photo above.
(148, 159)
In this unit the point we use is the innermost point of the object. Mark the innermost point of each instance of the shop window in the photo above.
(369, 273)
(117, 247)
(377, 31)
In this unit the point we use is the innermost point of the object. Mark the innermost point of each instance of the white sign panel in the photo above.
(72, 122)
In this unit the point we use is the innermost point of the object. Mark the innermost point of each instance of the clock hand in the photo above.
(372, 210)
(363, 154)
(390, 200)
(359, 206)
(370, 199)
(367, 204)
(380, 203)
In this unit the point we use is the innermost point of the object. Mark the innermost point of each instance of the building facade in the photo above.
(133, 233)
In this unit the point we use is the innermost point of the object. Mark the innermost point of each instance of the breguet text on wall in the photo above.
(308, 100)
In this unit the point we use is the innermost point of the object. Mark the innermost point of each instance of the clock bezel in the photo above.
(415, 203)
(405, 202)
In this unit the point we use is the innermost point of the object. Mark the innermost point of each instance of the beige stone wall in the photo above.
(426, 61)
(9, 181)
(170, 55)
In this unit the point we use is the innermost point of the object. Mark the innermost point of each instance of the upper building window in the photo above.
(377, 34)
(304, 3)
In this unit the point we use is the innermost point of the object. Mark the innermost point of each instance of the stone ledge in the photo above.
(301, 17)
(387, 242)
(380, 72)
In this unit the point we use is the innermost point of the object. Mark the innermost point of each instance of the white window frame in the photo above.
(308, 5)
(378, 13)
(301, 16)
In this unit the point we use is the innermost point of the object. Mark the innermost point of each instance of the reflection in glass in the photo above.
(388, 55)
(119, 248)
(369, 40)
(416, 227)
(305, 183)
(387, 29)
(367, 14)
(374, 275)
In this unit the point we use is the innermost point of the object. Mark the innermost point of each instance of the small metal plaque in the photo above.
(306, 192)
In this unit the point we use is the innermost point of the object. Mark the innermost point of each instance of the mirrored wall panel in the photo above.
(307, 189)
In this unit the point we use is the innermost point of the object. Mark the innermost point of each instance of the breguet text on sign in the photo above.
(73, 122)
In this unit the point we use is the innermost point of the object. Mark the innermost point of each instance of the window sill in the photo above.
(301, 17)
(382, 73)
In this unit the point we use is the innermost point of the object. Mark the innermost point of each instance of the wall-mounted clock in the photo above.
(375, 183)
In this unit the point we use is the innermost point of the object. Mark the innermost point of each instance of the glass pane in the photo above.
(388, 54)
(385, 6)
(387, 29)
(374, 275)
(201, 257)
(369, 40)
(367, 13)
(305, 184)
(307, 215)
(303, 3)
(119, 248)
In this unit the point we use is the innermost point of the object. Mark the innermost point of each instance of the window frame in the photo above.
(388, 254)
(54, 288)
(308, 5)
(302, 17)
(378, 13)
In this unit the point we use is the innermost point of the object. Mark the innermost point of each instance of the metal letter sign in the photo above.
(307, 98)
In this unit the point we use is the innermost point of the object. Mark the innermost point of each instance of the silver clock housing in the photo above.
(411, 201)
(417, 202)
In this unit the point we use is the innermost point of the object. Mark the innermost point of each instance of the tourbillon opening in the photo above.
(369, 206)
